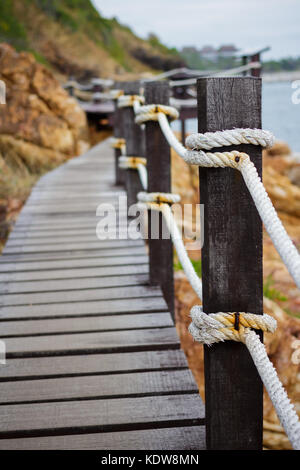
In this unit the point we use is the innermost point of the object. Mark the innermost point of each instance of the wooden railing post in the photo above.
(133, 135)
(118, 134)
(159, 180)
(256, 71)
(231, 266)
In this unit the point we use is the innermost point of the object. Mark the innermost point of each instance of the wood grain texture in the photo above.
(95, 387)
(73, 284)
(85, 343)
(183, 438)
(106, 269)
(231, 265)
(159, 180)
(85, 324)
(32, 368)
(118, 133)
(133, 135)
(100, 415)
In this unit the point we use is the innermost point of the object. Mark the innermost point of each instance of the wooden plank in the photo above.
(85, 343)
(65, 366)
(231, 266)
(180, 438)
(101, 415)
(74, 309)
(85, 324)
(69, 263)
(60, 210)
(73, 284)
(107, 269)
(97, 386)
(137, 252)
(62, 221)
(159, 180)
(55, 197)
(35, 231)
(84, 295)
(20, 234)
(52, 247)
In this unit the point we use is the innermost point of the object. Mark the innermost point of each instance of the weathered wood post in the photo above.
(255, 72)
(159, 180)
(244, 62)
(133, 135)
(231, 265)
(118, 134)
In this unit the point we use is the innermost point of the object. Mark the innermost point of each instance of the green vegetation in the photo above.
(154, 40)
(17, 23)
(292, 313)
(194, 61)
(288, 64)
(270, 292)
(196, 264)
(11, 29)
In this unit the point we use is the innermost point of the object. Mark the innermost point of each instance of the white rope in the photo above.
(143, 174)
(194, 155)
(242, 162)
(234, 71)
(151, 112)
(216, 327)
(182, 103)
(170, 136)
(159, 198)
(135, 163)
(210, 140)
(125, 101)
(285, 410)
(282, 242)
(116, 93)
(145, 202)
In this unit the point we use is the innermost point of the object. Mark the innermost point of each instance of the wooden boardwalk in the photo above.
(93, 357)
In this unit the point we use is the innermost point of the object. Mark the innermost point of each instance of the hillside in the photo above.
(72, 38)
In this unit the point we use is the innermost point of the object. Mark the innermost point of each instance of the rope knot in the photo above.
(150, 112)
(210, 140)
(131, 163)
(216, 327)
(125, 101)
(158, 198)
(115, 94)
(118, 143)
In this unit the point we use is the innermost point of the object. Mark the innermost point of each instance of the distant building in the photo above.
(209, 53)
(190, 50)
(227, 50)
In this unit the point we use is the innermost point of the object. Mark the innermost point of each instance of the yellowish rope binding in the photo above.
(151, 112)
(158, 198)
(126, 101)
(118, 143)
(209, 329)
(131, 163)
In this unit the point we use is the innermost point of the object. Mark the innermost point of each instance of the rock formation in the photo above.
(40, 125)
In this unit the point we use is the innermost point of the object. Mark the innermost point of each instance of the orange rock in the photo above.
(279, 148)
(38, 110)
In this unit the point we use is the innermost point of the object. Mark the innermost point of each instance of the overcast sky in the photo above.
(246, 23)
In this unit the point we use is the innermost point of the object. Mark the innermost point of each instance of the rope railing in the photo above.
(204, 328)
(229, 72)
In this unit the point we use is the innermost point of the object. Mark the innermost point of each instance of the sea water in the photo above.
(280, 114)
